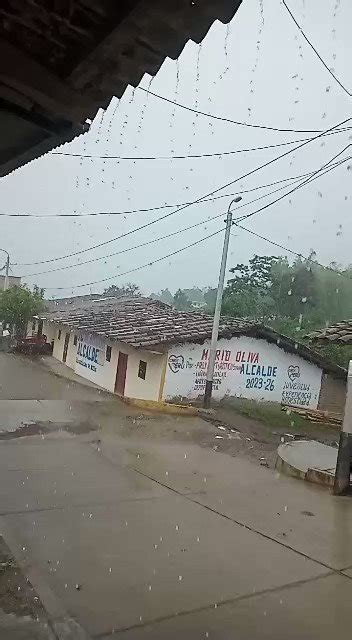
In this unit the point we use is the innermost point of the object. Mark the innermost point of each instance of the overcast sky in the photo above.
(256, 70)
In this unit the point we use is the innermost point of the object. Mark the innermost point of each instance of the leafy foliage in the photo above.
(17, 306)
(292, 298)
(190, 299)
(181, 301)
(128, 289)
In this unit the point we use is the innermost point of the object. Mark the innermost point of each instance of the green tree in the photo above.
(209, 295)
(17, 306)
(248, 294)
(39, 291)
(181, 302)
(164, 296)
(128, 289)
(294, 287)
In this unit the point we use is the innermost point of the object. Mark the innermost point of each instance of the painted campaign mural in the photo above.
(90, 358)
(245, 367)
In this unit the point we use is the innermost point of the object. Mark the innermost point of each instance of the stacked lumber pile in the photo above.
(317, 416)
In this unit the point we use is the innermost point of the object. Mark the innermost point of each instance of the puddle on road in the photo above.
(42, 428)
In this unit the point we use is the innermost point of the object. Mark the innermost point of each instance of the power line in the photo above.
(316, 51)
(148, 264)
(201, 198)
(223, 119)
(158, 239)
(184, 157)
(249, 215)
(200, 223)
(179, 250)
(142, 266)
(295, 253)
(158, 208)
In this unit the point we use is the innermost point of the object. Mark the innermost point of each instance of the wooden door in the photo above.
(67, 340)
(121, 373)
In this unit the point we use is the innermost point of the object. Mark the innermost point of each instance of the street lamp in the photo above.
(216, 320)
(7, 267)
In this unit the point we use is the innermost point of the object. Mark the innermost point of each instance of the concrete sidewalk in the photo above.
(308, 460)
(146, 540)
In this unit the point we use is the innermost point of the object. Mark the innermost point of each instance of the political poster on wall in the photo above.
(244, 367)
(90, 352)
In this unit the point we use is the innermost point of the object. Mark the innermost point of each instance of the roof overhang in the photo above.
(60, 64)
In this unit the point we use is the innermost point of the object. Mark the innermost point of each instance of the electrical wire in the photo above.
(145, 265)
(201, 198)
(142, 266)
(192, 155)
(158, 239)
(249, 215)
(295, 253)
(316, 51)
(223, 119)
(164, 206)
(197, 224)
(158, 208)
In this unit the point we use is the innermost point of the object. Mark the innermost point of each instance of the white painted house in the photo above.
(142, 348)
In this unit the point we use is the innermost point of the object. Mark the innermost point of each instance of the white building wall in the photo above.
(58, 343)
(30, 330)
(88, 359)
(49, 330)
(136, 387)
(71, 351)
(245, 367)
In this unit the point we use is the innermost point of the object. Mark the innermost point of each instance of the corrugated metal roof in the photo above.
(143, 322)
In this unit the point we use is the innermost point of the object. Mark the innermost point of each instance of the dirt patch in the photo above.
(17, 595)
(226, 431)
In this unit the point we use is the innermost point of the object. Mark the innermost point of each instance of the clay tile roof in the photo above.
(147, 323)
(341, 332)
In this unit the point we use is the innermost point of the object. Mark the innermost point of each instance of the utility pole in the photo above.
(216, 320)
(344, 455)
(7, 267)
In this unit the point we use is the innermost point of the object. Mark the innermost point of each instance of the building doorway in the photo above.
(121, 370)
(67, 340)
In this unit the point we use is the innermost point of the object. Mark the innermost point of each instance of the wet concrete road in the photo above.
(24, 379)
(141, 539)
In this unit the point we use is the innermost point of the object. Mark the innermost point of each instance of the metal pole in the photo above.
(6, 281)
(217, 311)
(344, 455)
(7, 267)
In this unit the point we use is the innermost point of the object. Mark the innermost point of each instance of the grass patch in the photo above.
(268, 413)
